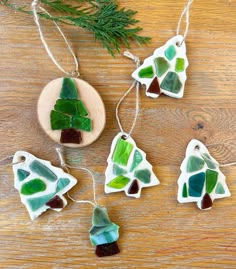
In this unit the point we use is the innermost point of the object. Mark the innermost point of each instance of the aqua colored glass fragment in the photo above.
(143, 175)
(179, 65)
(71, 107)
(146, 72)
(33, 186)
(42, 170)
(171, 83)
(122, 152)
(36, 203)
(117, 170)
(194, 164)
(210, 163)
(68, 90)
(22, 174)
(161, 66)
(170, 52)
(118, 182)
(136, 160)
(81, 123)
(211, 180)
(62, 183)
(185, 191)
(59, 120)
(196, 183)
(219, 189)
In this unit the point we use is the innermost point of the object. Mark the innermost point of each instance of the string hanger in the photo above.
(136, 85)
(65, 166)
(75, 72)
(185, 13)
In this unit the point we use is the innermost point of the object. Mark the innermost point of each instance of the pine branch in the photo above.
(112, 26)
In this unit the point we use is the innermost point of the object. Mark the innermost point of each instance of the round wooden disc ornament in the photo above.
(71, 112)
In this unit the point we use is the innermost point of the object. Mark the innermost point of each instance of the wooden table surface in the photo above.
(155, 230)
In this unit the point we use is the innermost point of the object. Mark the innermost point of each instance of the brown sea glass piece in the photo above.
(154, 87)
(108, 249)
(134, 188)
(206, 202)
(70, 136)
(55, 202)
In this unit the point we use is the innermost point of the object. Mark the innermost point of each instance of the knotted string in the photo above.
(74, 73)
(136, 85)
(186, 14)
(66, 167)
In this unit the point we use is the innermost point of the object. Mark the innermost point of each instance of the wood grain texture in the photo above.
(156, 231)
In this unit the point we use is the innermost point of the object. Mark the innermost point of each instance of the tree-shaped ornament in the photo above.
(128, 170)
(201, 180)
(40, 184)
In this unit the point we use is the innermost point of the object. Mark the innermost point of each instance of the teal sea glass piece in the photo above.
(170, 52)
(161, 66)
(211, 180)
(171, 83)
(136, 160)
(59, 120)
(71, 107)
(62, 183)
(210, 163)
(33, 186)
(81, 123)
(68, 90)
(36, 203)
(146, 72)
(185, 191)
(117, 170)
(143, 175)
(22, 174)
(122, 152)
(219, 189)
(196, 184)
(194, 164)
(118, 182)
(179, 66)
(42, 170)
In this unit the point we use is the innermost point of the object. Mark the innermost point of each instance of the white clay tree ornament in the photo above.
(201, 180)
(128, 170)
(165, 71)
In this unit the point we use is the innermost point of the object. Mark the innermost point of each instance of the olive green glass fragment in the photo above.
(36, 203)
(62, 183)
(136, 160)
(71, 107)
(117, 170)
(194, 164)
(143, 175)
(170, 52)
(42, 170)
(219, 189)
(81, 123)
(118, 182)
(122, 152)
(179, 66)
(59, 120)
(171, 83)
(68, 90)
(146, 72)
(185, 191)
(33, 186)
(211, 180)
(161, 66)
(22, 174)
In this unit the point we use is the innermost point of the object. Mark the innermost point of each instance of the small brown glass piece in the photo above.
(55, 202)
(134, 188)
(108, 249)
(71, 136)
(206, 202)
(154, 87)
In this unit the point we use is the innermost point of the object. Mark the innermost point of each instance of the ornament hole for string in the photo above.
(197, 148)
(124, 137)
(20, 159)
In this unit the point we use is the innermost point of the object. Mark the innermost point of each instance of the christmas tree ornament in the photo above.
(128, 170)
(201, 180)
(40, 184)
(70, 110)
(165, 71)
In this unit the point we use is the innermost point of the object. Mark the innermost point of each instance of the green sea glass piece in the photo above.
(219, 189)
(100, 217)
(42, 170)
(161, 66)
(146, 72)
(143, 175)
(171, 83)
(185, 191)
(122, 152)
(208, 161)
(194, 164)
(196, 183)
(36, 203)
(33, 186)
(211, 180)
(81, 123)
(117, 170)
(68, 90)
(179, 66)
(22, 174)
(62, 183)
(71, 107)
(118, 182)
(170, 52)
(136, 160)
(59, 120)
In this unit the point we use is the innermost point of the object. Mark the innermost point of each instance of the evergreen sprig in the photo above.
(111, 25)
